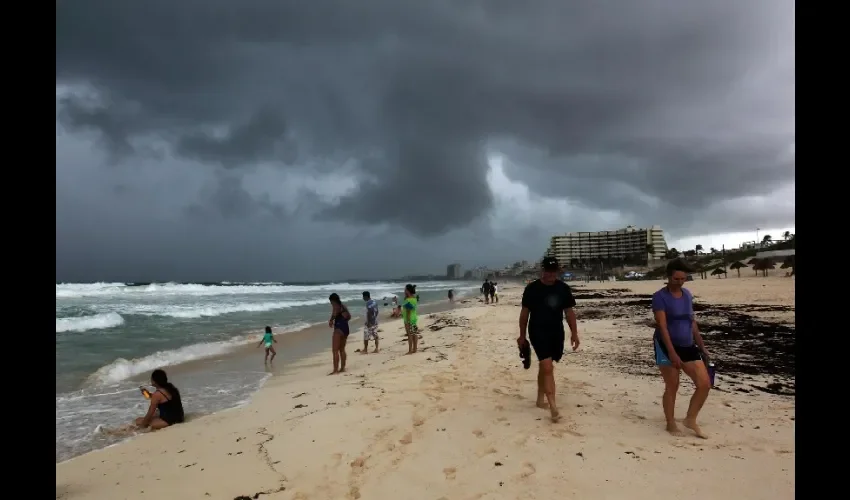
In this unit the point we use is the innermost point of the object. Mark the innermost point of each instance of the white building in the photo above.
(629, 243)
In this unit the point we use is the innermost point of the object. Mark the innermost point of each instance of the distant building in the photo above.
(453, 272)
(630, 244)
(776, 255)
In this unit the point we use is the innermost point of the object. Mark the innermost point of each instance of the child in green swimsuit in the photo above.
(410, 318)
(268, 340)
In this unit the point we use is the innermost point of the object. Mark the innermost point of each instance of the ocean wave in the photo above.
(80, 290)
(122, 369)
(207, 311)
(94, 322)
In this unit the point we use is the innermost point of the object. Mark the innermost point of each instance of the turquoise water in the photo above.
(110, 336)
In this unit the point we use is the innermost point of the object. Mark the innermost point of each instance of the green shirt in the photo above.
(409, 310)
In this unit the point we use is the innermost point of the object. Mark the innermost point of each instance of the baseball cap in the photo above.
(550, 264)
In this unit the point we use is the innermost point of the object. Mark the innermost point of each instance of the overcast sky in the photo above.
(329, 139)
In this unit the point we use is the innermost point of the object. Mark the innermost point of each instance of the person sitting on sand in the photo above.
(410, 317)
(396, 309)
(370, 331)
(679, 346)
(339, 322)
(545, 304)
(268, 340)
(166, 407)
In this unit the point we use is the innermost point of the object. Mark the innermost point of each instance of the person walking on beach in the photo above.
(339, 322)
(485, 291)
(451, 296)
(679, 346)
(496, 292)
(410, 317)
(268, 340)
(492, 291)
(370, 332)
(166, 407)
(545, 304)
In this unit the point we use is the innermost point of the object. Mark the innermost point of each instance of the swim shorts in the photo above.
(548, 346)
(686, 354)
(370, 333)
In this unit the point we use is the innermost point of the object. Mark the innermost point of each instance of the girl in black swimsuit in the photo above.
(166, 401)
(339, 322)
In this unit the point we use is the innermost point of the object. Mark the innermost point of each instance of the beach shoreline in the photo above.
(457, 420)
(245, 358)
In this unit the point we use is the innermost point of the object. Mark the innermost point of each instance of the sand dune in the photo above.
(458, 420)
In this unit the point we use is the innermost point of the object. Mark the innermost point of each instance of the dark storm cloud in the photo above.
(657, 95)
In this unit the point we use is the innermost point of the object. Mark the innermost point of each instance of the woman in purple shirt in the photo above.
(679, 346)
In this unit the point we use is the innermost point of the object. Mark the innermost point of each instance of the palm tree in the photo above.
(698, 248)
(786, 235)
(717, 272)
(737, 265)
(672, 253)
(713, 250)
(766, 240)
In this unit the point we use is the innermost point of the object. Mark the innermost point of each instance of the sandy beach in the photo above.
(457, 421)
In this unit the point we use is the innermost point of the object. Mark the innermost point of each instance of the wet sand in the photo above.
(458, 419)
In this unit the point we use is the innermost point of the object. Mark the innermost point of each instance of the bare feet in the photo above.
(376, 350)
(556, 416)
(541, 403)
(333, 372)
(341, 370)
(692, 425)
(673, 429)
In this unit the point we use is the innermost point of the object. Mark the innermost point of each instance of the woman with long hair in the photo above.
(339, 322)
(166, 406)
(410, 317)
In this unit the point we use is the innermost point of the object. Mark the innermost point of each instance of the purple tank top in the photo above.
(680, 315)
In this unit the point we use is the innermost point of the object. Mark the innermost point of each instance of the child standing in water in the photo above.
(268, 340)
(410, 318)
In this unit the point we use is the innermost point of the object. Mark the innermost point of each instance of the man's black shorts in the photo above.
(549, 345)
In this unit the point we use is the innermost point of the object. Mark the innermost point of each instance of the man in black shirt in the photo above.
(547, 301)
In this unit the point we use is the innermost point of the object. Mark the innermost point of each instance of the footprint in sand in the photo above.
(478, 433)
(488, 451)
(358, 463)
(528, 469)
(417, 421)
(354, 493)
(450, 472)
(406, 439)
(501, 419)
(441, 409)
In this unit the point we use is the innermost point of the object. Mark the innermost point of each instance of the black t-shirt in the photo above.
(546, 304)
